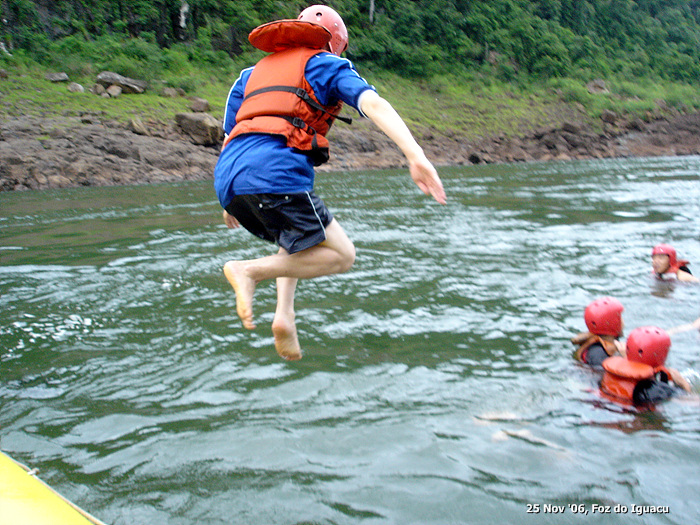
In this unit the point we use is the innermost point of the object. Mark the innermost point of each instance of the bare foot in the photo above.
(286, 340)
(244, 287)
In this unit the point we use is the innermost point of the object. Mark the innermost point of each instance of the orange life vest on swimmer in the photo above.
(586, 339)
(278, 100)
(622, 376)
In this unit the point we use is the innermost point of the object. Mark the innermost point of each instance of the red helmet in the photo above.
(648, 345)
(604, 317)
(330, 19)
(666, 249)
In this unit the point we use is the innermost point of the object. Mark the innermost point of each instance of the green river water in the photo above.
(437, 384)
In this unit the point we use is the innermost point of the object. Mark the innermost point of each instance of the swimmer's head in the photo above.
(604, 317)
(648, 345)
(331, 20)
(663, 258)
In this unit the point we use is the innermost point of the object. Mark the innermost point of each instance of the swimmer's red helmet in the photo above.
(648, 345)
(666, 249)
(604, 317)
(331, 20)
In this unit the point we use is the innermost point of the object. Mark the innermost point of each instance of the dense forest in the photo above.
(512, 40)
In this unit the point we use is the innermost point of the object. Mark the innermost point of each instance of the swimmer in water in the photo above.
(665, 262)
(641, 377)
(605, 326)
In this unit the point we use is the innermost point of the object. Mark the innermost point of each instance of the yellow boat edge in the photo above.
(24, 498)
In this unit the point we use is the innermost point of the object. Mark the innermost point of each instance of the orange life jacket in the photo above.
(622, 376)
(278, 99)
(586, 339)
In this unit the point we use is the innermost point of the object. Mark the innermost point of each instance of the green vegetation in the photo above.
(458, 67)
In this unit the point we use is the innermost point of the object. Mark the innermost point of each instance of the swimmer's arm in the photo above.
(687, 277)
(581, 338)
(423, 173)
(695, 325)
(679, 380)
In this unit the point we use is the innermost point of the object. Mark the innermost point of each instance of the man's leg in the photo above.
(334, 255)
(283, 325)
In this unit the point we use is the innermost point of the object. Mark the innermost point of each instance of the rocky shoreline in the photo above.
(43, 153)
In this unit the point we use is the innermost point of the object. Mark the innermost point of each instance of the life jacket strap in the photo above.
(303, 95)
(317, 154)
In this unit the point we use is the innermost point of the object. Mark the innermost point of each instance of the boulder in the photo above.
(56, 77)
(137, 126)
(597, 86)
(608, 116)
(74, 87)
(636, 124)
(72, 153)
(114, 90)
(570, 127)
(199, 105)
(202, 128)
(127, 85)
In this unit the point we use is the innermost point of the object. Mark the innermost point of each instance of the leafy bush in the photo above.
(558, 44)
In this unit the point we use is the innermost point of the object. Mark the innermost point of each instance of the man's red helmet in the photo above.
(604, 317)
(670, 251)
(331, 20)
(648, 345)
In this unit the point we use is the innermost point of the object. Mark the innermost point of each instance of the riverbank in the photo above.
(56, 152)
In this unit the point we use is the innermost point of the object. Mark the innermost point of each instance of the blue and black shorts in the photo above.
(294, 221)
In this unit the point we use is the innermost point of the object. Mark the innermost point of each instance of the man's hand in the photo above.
(230, 220)
(423, 173)
(426, 178)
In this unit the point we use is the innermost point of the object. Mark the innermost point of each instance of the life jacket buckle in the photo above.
(298, 123)
(302, 93)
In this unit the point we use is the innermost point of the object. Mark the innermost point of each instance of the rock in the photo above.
(57, 77)
(573, 140)
(40, 152)
(4, 74)
(570, 127)
(597, 86)
(199, 105)
(475, 157)
(137, 126)
(74, 87)
(72, 153)
(97, 89)
(170, 92)
(554, 141)
(127, 85)
(114, 91)
(202, 128)
(608, 116)
(89, 119)
(636, 124)
(58, 181)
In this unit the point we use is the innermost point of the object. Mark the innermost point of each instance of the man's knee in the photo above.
(347, 258)
(337, 240)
